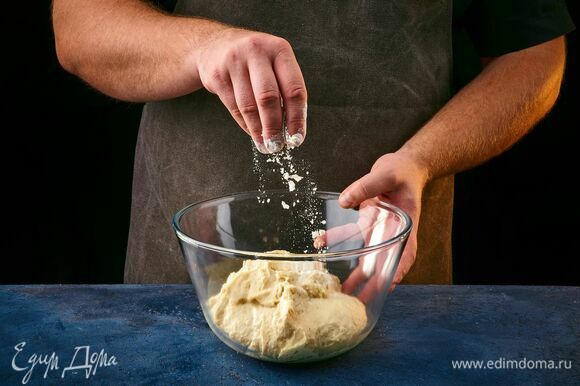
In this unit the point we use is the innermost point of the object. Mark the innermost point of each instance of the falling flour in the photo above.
(293, 174)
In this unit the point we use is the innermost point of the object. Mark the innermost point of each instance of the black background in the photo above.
(67, 156)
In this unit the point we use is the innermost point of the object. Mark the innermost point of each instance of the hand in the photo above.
(399, 179)
(258, 79)
(375, 269)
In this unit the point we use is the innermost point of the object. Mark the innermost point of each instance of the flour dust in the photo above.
(301, 206)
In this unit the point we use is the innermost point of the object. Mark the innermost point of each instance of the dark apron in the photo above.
(375, 72)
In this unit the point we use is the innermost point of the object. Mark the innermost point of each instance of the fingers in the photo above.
(369, 186)
(356, 277)
(337, 235)
(361, 230)
(407, 260)
(399, 275)
(373, 229)
(369, 291)
(267, 98)
(229, 101)
(246, 105)
(258, 79)
(224, 89)
(389, 256)
(294, 94)
(351, 232)
(258, 90)
(376, 269)
(373, 235)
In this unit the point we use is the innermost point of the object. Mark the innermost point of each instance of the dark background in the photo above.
(67, 156)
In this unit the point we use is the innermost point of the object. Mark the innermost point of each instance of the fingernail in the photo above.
(344, 201)
(294, 140)
(274, 144)
(261, 148)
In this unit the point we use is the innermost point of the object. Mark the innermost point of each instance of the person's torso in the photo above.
(375, 72)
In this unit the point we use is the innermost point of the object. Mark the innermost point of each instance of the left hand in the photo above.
(399, 179)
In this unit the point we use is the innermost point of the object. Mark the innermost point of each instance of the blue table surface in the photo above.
(158, 335)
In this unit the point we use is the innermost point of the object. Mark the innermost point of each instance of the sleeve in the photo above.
(501, 26)
(166, 5)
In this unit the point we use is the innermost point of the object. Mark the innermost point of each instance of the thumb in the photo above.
(364, 188)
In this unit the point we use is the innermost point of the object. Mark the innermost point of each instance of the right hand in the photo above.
(258, 79)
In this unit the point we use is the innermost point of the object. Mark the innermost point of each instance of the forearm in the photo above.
(491, 113)
(129, 50)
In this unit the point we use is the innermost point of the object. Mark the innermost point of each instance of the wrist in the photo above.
(413, 158)
(199, 35)
(208, 33)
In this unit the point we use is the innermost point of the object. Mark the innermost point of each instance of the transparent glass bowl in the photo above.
(306, 304)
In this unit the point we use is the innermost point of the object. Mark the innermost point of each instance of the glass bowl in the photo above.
(290, 277)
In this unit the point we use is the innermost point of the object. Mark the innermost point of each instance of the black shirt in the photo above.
(484, 28)
(487, 28)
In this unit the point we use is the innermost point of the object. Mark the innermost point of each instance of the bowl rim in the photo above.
(403, 234)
